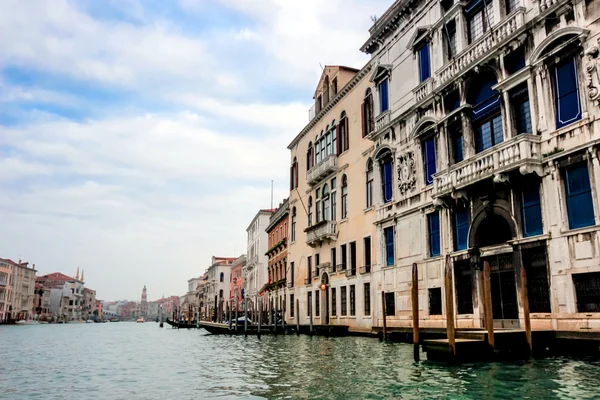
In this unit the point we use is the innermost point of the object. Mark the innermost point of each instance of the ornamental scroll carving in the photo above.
(407, 177)
(593, 75)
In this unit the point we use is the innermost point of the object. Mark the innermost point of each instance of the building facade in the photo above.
(331, 257)
(6, 292)
(218, 282)
(255, 270)
(88, 303)
(486, 123)
(22, 288)
(237, 291)
(277, 232)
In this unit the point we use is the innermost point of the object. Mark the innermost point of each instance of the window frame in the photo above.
(434, 235)
(389, 246)
(384, 96)
(344, 197)
(587, 201)
(370, 174)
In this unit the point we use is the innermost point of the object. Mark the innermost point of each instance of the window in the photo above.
(353, 258)
(531, 209)
(221, 277)
(352, 300)
(424, 65)
(488, 133)
(368, 123)
(520, 104)
(456, 140)
(333, 302)
(450, 36)
(566, 93)
(390, 304)
(461, 228)
(308, 304)
(464, 287)
(334, 86)
(580, 208)
(221, 293)
(480, 17)
(317, 263)
(388, 233)
(538, 288)
(433, 222)
(587, 290)
(310, 206)
(367, 253)
(367, 298)
(334, 141)
(383, 96)
(387, 179)
(294, 224)
(369, 188)
(344, 309)
(333, 199)
(344, 256)
(326, 204)
(333, 259)
(342, 129)
(429, 164)
(310, 157)
(318, 204)
(317, 304)
(487, 117)
(294, 174)
(292, 305)
(318, 149)
(309, 268)
(511, 5)
(435, 301)
(344, 197)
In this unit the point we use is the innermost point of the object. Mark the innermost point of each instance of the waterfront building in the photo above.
(255, 270)
(129, 310)
(88, 303)
(22, 285)
(6, 280)
(486, 117)
(218, 282)
(153, 310)
(237, 289)
(331, 245)
(277, 232)
(144, 304)
(58, 288)
(98, 309)
(41, 302)
(167, 305)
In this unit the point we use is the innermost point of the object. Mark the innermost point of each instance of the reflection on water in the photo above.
(142, 361)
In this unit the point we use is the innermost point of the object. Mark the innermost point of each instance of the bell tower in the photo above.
(144, 304)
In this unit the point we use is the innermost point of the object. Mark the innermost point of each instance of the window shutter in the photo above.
(339, 139)
(568, 108)
(424, 66)
(292, 177)
(346, 133)
(362, 118)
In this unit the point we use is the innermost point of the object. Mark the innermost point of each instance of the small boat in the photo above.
(180, 325)
(26, 322)
(160, 325)
(140, 320)
(89, 321)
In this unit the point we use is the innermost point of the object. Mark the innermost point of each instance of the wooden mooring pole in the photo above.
(415, 310)
(259, 318)
(526, 316)
(229, 316)
(384, 315)
(297, 317)
(449, 307)
(487, 298)
(245, 320)
(309, 308)
(275, 317)
(236, 315)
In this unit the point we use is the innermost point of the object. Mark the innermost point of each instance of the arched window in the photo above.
(294, 174)
(310, 205)
(368, 123)
(385, 162)
(318, 205)
(310, 158)
(343, 133)
(487, 116)
(326, 203)
(294, 224)
(317, 150)
(344, 197)
(221, 293)
(221, 277)
(369, 188)
(334, 141)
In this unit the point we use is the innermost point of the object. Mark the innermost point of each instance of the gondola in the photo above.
(180, 325)
(223, 329)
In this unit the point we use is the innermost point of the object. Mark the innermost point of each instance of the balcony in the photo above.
(326, 267)
(365, 269)
(382, 120)
(523, 151)
(351, 272)
(321, 170)
(321, 231)
(483, 47)
(423, 91)
(341, 267)
(308, 281)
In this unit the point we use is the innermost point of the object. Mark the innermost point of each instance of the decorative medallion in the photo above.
(407, 180)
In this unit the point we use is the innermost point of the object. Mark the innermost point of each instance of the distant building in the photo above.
(153, 310)
(6, 296)
(21, 279)
(277, 232)
(237, 291)
(144, 304)
(61, 292)
(218, 281)
(255, 270)
(88, 303)
(98, 309)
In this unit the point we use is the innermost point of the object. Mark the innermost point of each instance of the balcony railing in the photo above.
(321, 170)
(382, 120)
(307, 281)
(324, 230)
(340, 267)
(326, 266)
(365, 269)
(483, 46)
(522, 151)
(423, 90)
(546, 4)
(351, 272)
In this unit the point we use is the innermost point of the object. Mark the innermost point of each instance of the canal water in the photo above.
(141, 361)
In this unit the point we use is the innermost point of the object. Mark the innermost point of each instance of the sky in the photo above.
(138, 138)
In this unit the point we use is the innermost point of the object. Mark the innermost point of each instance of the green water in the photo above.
(141, 361)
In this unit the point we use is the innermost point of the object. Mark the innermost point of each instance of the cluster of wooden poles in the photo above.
(484, 284)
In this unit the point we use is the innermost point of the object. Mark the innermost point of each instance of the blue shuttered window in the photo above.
(389, 245)
(566, 93)
(429, 160)
(488, 133)
(387, 181)
(461, 229)
(580, 208)
(487, 118)
(433, 222)
(531, 210)
(424, 64)
(383, 96)
(520, 102)
(457, 146)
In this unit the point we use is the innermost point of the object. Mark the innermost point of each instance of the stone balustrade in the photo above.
(382, 120)
(423, 90)
(546, 4)
(483, 46)
(323, 230)
(321, 170)
(523, 151)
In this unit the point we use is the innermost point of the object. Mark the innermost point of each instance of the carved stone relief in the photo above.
(407, 177)
(593, 75)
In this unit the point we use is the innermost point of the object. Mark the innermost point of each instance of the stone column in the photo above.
(543, 90)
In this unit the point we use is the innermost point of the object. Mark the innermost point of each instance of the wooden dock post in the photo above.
(229, 316)
(275, 317)
(526, 317)
(487, 298)
(283, 316)
(270, 313)
(415, 310)
(245, 320)
(259, 318)
(309, 307)
(298, 317)
(450, 307)
(384, 315)
(236, 315)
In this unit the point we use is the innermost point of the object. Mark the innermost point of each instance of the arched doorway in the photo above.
(324, 297)
(491, 231)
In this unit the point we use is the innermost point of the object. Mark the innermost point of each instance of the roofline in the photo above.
(341, 94)
(386, 24)
(258, 214)
(278, 216)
